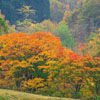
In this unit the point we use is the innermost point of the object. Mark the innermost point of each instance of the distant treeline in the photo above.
(10, 9)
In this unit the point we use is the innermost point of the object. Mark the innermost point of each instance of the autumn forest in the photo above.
(51, 47)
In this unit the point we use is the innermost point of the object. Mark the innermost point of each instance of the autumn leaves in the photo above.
(39, 63)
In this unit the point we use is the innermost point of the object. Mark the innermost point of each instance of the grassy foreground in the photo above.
(15, 95)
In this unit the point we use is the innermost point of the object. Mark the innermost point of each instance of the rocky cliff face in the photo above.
(9, 9)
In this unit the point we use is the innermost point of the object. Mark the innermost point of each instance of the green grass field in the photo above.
(15, 95)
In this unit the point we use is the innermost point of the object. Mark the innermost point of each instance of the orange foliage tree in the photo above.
(39, 63)
(23, 57)
(72, 74)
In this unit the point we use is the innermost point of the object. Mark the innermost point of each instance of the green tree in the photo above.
(26, 11)
(3, 26)
(65, 35)
(93, 46)
(25, 24)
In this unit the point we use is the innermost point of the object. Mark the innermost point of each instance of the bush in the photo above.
(76, 95)
(2, 98)
(94, 98)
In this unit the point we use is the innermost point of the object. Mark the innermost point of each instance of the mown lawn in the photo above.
(15, 95)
